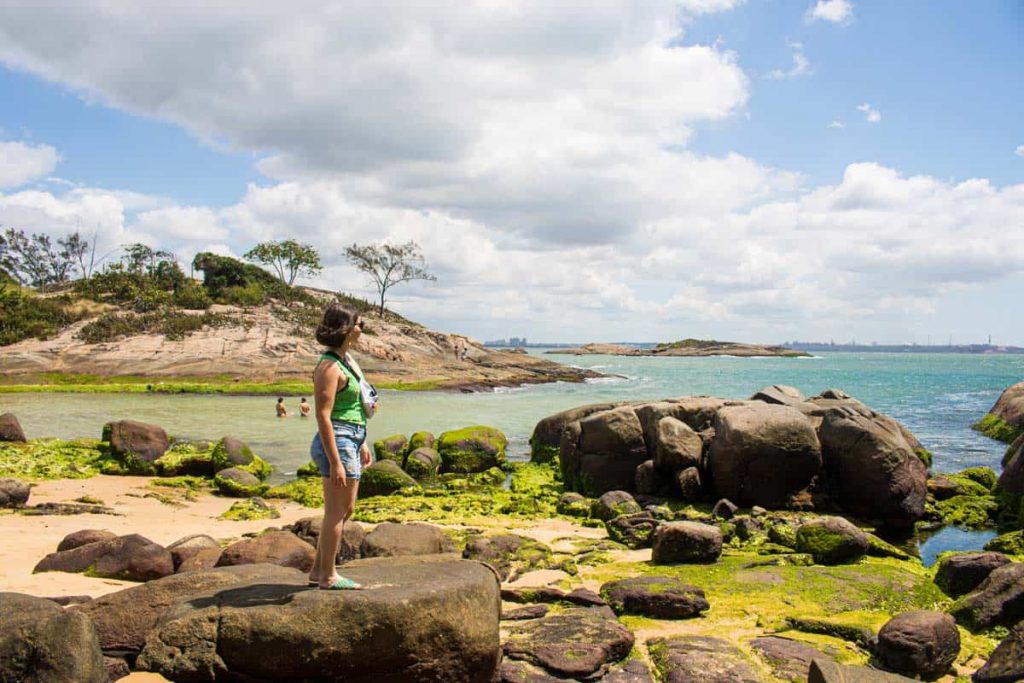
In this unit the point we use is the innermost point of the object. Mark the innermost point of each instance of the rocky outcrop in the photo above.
(790, 660)
(352, 535)
(383, 478)
(136, 445)
(601, 452)
(400, 628)
(14, 493)
(547, 433)
(77, 539)
(273, 547)
(472, 449)
(124, 618)
(131, 557)
(1006, 663)
(763, 454)
(963, 572)
(920, 643)
(998, 601)
(700, 659)
(508, 553)
(576, 643)
(10, 429)
(826, 671)
(659, 597)
(686, 543)
(42, 643)
(396, 540)
(1005, 421)
(831, 540)
(779, 394)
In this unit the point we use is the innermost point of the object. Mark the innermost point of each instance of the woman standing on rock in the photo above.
(339, 447)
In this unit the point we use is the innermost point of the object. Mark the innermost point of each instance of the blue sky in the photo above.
(662, 169)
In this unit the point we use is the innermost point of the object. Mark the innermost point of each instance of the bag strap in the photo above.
(332, 354)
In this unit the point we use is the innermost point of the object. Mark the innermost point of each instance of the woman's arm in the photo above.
(327, 383)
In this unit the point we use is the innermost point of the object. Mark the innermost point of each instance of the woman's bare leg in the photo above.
(339, 502)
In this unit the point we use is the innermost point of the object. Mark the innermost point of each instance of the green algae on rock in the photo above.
(186, 459)
(383, 478)
(249, 509)
(1009, 544)
(968, 511)
(53, 459)
(472, 449)
(239, 483)
(997, 428)
(392, 447)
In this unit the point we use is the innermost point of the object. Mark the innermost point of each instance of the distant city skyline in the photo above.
(744, 170)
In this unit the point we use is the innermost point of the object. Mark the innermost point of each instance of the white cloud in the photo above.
(21, 163)
(801, 65)
(871, 115)
(1020, 150)
(836, 124)
(834, 11)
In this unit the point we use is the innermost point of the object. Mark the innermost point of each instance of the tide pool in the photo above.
(937, 396)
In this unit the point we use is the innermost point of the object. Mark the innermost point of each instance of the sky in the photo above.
(746, 170)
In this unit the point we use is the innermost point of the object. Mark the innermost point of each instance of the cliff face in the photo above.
(260, 346)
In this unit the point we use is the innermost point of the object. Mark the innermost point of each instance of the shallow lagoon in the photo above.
(938, 396)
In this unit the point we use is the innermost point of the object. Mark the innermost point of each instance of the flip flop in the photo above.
(342, 584)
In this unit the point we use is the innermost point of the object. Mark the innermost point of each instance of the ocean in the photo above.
(937, 396)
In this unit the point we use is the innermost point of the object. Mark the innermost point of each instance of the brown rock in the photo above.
(659, 597)
(393, 540)
(790, 659)
(131, 557)
(274, 547)
(352, 535)
(189, 546)
(700, 659)
(919, 643)
(10, 429)
(961, 573)
(1006, 663)
(40, 642)
(998, 601)
(138, 440)
(575, 643)
(676, 445)
(204, 558)
(686, 542)
(13, 492)
(76, 539)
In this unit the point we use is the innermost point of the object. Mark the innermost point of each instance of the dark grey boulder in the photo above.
(648, 480)
(508, 553)
(686, 542)
(523, 613)
(614, 503)
(601, 452)
(352, 535)
(544, 441)
(423, 462)
(273, 547)
(701, 659)
(630, 671)
(132, 558)
(124, 618)
(1006, 663)
(827, 671)
(573, 504)
(789, 659)
(689, 484)
(763, 454)
(400, 628)
(831, 540)
(576, 643)
(779, 394)
(136, 445)
(41, 643)
(77, 539)
(633, 531)
(190, 546)
(921, 643)
(998, 601)
(676, 445)
(10, 429)
(724, 509)
(659, 597)
(14, 493)
(963, 572)
(383, 478)
(394, 540)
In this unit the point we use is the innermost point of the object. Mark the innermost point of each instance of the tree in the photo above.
(389, 265)
(33, 259)
(144, 259)
(81, 250)
(288, 257)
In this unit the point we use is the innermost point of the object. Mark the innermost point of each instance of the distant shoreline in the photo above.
(978, 349)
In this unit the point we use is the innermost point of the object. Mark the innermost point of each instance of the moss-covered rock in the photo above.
(307, 491)
(135, 446)
(423, 463)
(186, 459)
(384, 478)
(238, 483)
(421, 440)
(231, 452)
(574, 505)
(997, 428)
(925, 456)
(985, 476)
(54, 459)
(1008, 544)
(309, 470)
(965, 486)
(970, 512)
(392, 448)
(472, 449)
(782, 532)
(831, 540)
(249, 509)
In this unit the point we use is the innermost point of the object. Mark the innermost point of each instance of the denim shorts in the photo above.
(348, 437)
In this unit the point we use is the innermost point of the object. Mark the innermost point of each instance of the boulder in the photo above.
(689, 483)
(1013, 449)
(402, 628)
(124, 618)
(423, 463)
(383, 478)
(472, 449)
(392, 447)
(614, 503)
(963, 572)
(41, 643)
(580, 596)
(697, 412)
(1011, 481)
(231, 452)
(676, 445)
(827, 671)
(763, 454)
(701, 659)
(648, 480)
(117, 668)
(77, 539)
(921, 643)
(1006, 418)
(1011, 543)
(10, 429)
(658, 597)
(633, 531)
(789, 659)
(873, 470)
(546, 437)
(686, 542)
(779, 394)
(13, 492)
(1006, 663)
(206, 558)
(427, 440)
(131, 558)
(136, 445)
(576, 643)
(508, 553)
(942, 487)
(831, 540)
(274, 547)
(352, 535)
(184, 458)
(394, 540)
(573, 504)
(601, 452)
(238, 483)
(724, 509)
(998, 601)
(190, 546)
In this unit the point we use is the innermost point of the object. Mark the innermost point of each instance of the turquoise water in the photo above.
(952, 538)
(938, 396)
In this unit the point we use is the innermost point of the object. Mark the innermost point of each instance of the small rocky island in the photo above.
(685, 347)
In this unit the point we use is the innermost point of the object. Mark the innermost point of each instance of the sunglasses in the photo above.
(361, 324)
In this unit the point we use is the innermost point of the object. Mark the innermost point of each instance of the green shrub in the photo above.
(173, 324)
(192, 295)
(24, 315)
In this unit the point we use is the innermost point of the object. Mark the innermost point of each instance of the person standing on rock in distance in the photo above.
(339, 446)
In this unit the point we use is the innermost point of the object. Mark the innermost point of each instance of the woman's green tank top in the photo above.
(348, 403)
